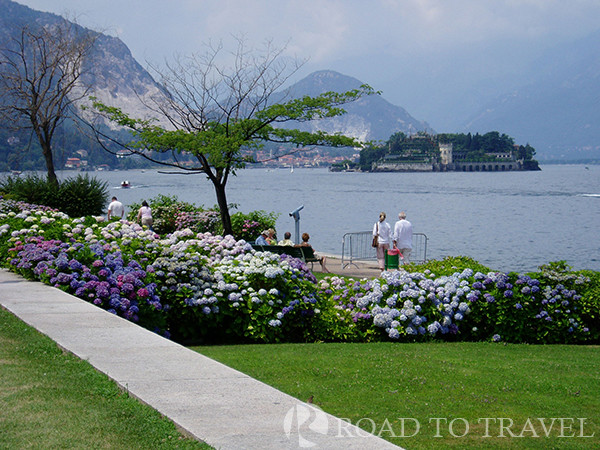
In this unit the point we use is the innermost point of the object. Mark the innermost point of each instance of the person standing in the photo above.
(145, 215)
(403, 233)
(383, 231)
(115, 210)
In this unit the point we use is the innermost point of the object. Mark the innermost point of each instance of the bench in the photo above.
(309, 255)
(296, 252)
(306, 254)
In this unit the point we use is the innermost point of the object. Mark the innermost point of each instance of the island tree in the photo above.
(40, 73)
(214, 110)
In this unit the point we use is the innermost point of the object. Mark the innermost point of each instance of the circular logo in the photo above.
(305, 420)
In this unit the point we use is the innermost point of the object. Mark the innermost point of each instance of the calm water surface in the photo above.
(507, 221)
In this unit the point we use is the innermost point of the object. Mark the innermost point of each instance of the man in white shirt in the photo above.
(403, 236)
(115, 210)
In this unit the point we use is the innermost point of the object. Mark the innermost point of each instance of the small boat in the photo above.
(125, 184)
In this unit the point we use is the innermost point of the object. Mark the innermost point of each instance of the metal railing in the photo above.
(418, 254)
(357, 247)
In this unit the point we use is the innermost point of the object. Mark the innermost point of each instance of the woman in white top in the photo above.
(383, 231)
(145, 215)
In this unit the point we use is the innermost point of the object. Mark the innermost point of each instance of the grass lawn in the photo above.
(482, 386)
(509, 396)
(51, 399)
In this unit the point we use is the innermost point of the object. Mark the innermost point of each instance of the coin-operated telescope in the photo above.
(296, 215)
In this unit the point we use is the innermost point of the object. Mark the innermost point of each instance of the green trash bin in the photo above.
(392, 259)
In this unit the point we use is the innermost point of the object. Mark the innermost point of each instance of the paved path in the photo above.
(206, 399)
(358, 270)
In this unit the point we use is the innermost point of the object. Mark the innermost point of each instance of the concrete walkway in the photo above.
(358, 269)
(204, 398)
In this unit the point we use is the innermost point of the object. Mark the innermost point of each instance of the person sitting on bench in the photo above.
(262, 239)
(322, 259)
(287, 239)
(271, 239)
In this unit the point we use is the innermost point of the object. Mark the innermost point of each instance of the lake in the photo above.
(505, 220)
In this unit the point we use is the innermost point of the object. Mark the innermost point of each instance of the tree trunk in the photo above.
(47, 152)
(223, 207)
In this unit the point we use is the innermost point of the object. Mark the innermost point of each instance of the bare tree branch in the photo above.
(40, 75)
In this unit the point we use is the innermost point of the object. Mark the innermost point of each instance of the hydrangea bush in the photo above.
(202, 287)
(171, 214)
(93, 273)
(402, 304)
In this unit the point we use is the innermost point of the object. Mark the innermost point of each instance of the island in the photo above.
(448, 152)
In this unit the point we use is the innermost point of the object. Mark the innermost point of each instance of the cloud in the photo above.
(332, 29)
(311, 28)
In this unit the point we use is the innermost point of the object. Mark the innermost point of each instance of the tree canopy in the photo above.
(213, 112)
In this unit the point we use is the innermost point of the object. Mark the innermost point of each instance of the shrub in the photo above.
(165, 211)
(403, 305)
(533, 308)
(208, 221)
(586, 283)
(171, 214)
(590, 303)
(103, 278)
(249, 226)
(200, 286)
(447, 266)
(32, 188)
(77, 197)
(82, 196)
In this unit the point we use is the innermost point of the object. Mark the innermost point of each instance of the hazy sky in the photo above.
(423, 54)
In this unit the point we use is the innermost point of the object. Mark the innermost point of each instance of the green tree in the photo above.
(395, 142)
(369, 155)
(493, 141)
(218, 111)
(525, 152)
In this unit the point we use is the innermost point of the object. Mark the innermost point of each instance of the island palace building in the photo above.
(447, 162)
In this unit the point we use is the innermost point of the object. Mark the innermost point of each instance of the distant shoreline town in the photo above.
(491, 152)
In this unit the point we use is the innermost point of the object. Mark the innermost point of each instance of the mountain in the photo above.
(117, 79)
(558, 112)
(369, 118)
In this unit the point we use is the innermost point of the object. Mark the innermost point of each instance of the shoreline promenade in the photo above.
(204, 398)
(358, 269)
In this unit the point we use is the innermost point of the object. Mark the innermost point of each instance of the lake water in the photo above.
(507, 221)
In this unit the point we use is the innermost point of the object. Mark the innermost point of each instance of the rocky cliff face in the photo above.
(369, 118)
(110, 72)
(116, 79)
